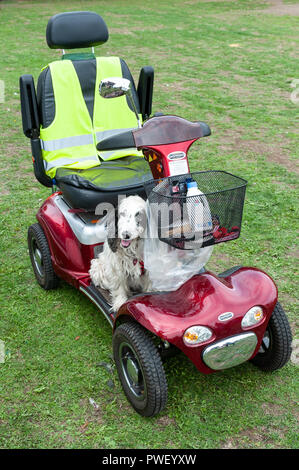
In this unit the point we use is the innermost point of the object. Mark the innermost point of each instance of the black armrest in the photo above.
(145, 91)
(29, 109)
(38, 164)
(30, 120)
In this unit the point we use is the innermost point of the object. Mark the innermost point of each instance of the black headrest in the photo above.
(75, 29)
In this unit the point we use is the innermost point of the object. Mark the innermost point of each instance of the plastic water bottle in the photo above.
(199, 212)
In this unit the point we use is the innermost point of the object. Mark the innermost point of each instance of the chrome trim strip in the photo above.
(87, 234)
(230, 352)
(100, 307)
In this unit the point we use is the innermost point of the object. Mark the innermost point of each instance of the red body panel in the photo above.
(71, 259)
(160, 163)
(200, 301)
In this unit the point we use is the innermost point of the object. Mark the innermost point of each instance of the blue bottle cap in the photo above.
(192, 184)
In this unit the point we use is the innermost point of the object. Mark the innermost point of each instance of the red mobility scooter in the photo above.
(217, 320)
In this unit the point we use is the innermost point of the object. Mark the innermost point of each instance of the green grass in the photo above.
(230, 63)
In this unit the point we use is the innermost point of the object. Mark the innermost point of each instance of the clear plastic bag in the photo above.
(169, 267)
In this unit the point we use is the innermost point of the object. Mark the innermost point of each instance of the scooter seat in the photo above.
(85, 189)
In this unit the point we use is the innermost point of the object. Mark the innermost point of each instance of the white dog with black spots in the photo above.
(119, 267)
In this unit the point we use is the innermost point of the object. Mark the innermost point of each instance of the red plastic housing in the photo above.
(169, 159)
(199, 301)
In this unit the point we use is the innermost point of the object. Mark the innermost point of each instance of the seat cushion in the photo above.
(85, 189)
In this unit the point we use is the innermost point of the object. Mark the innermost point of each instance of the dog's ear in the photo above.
(111, 223)
(112, 229)
(141, 218)
(113, 244)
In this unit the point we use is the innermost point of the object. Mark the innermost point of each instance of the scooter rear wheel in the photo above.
(275, 350)
(41, 258)
(140, 369)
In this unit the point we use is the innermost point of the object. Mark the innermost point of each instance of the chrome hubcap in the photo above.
(265, 343)
(132, 371)
(37, 257)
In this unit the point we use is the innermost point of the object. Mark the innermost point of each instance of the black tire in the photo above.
(41, 258)
(275, 350)
(140, 369)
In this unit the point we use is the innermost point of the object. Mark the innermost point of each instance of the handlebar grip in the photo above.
(206, 130)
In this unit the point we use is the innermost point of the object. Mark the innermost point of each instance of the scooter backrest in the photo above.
(70, 30)
(67, 31)
(76, 29)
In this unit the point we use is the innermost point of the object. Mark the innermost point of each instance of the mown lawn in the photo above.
(230, 63)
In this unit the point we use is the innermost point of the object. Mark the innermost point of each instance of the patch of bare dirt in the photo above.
(279, 8)
(284, 185)
(293, 253)
(272, 409)
(221, 261)
(4, 192)
(273, 153)
(165, 421)
(125, 31)
(252, 438)
(210, 1)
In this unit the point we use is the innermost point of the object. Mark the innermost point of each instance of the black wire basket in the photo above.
(214, 215)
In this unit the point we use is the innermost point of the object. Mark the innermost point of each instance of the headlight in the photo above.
(252, 317)
(197, 334)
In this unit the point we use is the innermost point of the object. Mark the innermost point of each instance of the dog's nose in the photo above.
(126, 236)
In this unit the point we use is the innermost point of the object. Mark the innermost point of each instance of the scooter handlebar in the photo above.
(158, 130)
(117, 141)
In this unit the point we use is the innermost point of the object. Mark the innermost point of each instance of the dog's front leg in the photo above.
(119, 296)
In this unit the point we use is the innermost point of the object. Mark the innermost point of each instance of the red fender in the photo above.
(200, 301)
(71, 259)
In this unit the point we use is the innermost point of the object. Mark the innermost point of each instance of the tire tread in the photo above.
(151, 364)
(50, 280)
(282, 336)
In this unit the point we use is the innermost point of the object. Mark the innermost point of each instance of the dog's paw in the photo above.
(118, 302)
(95, 272)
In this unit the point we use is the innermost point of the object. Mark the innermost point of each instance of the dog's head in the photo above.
(129, 224)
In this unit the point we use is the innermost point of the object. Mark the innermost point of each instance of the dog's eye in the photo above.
(137, 214)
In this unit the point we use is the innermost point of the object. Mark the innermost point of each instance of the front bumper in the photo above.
(230, 352)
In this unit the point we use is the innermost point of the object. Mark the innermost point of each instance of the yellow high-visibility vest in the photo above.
(70, 140)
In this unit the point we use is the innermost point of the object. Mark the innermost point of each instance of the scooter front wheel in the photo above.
(140, 369)
(275, 350)
(40, 256)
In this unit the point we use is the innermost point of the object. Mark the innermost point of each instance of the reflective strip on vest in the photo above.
(65, 142)
(73, 133)
(69, 161)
